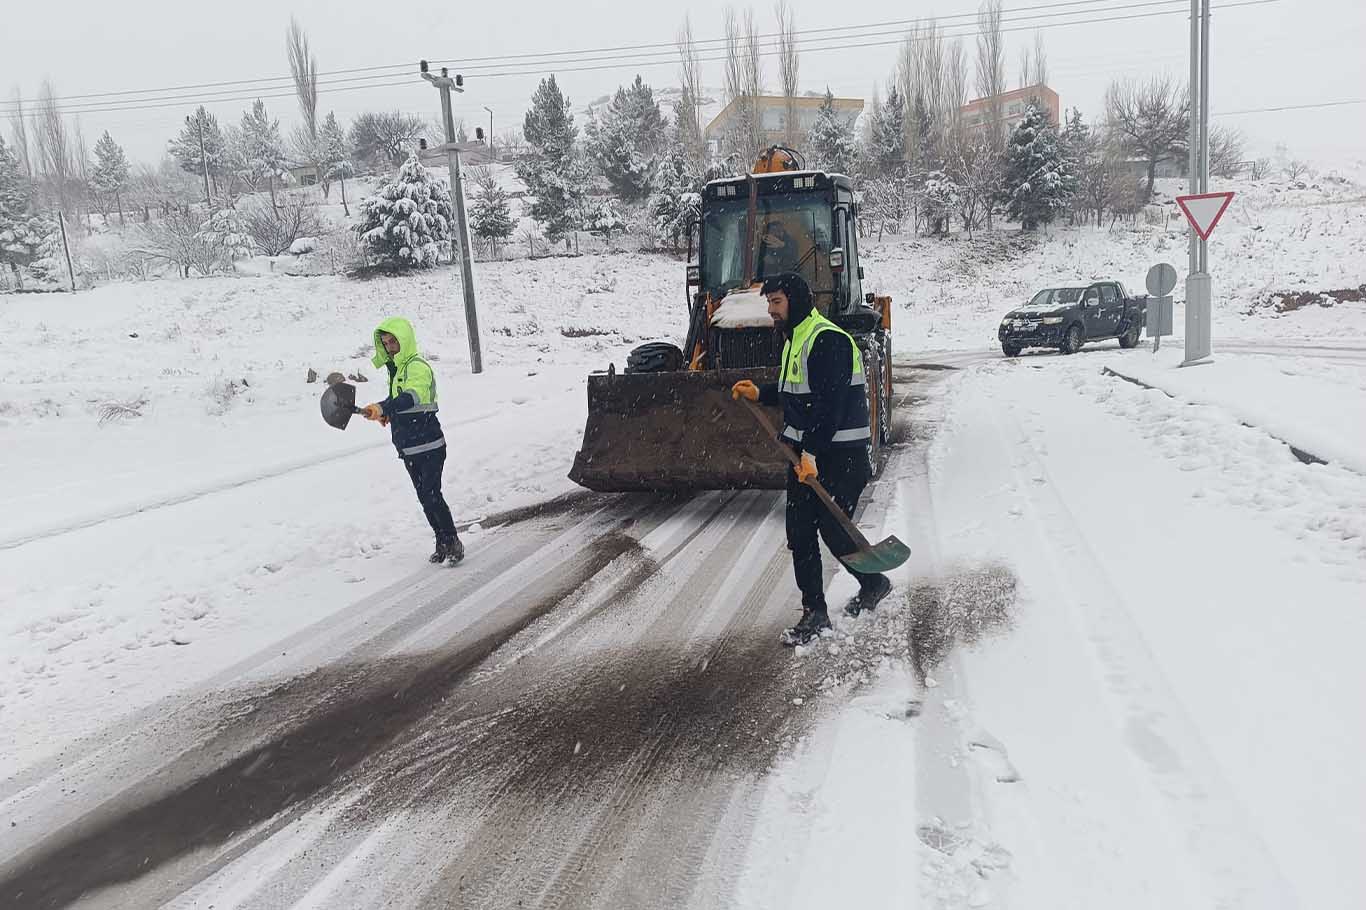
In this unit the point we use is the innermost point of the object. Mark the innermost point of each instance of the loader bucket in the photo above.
(674, 432)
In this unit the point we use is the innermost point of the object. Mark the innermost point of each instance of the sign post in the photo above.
(1203, 211)
(1161, 281)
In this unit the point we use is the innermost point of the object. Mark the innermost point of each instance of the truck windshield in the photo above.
(792, 233)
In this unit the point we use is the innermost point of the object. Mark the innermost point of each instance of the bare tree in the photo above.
(1038, 68)
(738, 129)
(303, 66)
(1260, 169)
(754, 81)
(81, 177)
(1150, 120)
(690, 77)
(788, 67)
(956, 71)
(1023, 77)
(19, 134)
(1226, 151)
(991, 66)
(1296, 169)
(925, 71)
(56, 155)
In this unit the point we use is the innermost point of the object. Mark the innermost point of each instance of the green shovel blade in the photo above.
(880, 557)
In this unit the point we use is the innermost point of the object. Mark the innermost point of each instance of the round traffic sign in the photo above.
(1161, 279)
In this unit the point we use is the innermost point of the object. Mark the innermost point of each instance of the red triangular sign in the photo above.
(1203, 211)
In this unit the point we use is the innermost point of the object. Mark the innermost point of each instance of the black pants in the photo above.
(844, 473)
(425, 470)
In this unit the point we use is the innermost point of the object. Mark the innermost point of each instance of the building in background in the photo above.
(773, 118)
(977, 113)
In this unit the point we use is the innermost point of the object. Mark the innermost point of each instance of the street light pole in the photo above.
(493, 155)
(1199, 308)
(444, 85)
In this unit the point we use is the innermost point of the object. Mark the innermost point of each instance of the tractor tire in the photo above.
(655, 357)
(884, 428)
(1073, 340)
(872, 369)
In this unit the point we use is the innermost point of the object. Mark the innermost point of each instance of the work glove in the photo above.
(373, 412)
(806, 471)
(744, 389)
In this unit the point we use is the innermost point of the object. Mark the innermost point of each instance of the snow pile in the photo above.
(741, 309)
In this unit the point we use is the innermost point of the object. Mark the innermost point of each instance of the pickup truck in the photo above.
(1067, 318)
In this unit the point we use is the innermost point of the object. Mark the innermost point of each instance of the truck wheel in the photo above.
(884, 428)
(872, 366)
(1073, 340)
(1010, 350)
(1130, 338)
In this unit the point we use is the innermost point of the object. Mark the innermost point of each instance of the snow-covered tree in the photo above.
(203, 128)
(938, 200)
(887, 135)
(24, 237)
(226, 235)
(554, 175)
(1038, 181)
(624, 140)
(491, 218)
(407, 224)
(676, 201)
(976, 167)
(382, 139)
(334, 157)
(262, 148)
(110, 176)
(830, 142)
(604, 220)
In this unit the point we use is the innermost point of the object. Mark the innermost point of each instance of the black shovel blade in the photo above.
(880, 557)
(338, 404)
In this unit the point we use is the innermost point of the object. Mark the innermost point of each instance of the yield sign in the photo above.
(1204, 210)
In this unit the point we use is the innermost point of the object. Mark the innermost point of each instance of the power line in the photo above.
(1288, 107)
(842, 44)
(381, 71)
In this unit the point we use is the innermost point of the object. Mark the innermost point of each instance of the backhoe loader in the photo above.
(667, 422)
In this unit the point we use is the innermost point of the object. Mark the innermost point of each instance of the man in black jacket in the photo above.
(823, 392)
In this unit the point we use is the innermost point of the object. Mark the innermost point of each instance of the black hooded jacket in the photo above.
(830, 366)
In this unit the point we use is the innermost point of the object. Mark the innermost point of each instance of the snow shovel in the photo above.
(869, 558)
(338, 404)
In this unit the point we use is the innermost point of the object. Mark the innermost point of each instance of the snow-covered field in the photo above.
(1166, 697)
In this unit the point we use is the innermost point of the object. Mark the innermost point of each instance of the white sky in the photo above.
(1283, 53)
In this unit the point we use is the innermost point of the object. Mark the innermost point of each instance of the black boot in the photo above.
(455, 552)
(812, 623)
(441, 554)
(870, 596)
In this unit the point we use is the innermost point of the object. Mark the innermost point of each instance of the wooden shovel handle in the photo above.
(772, 434)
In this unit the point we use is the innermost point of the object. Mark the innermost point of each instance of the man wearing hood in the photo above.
(410, 414)
(823, 392)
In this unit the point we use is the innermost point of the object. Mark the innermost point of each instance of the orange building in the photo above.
(977, 113)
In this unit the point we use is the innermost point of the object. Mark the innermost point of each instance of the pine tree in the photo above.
(25, 238)
(262, 147)
(407, 224)
(490, 215)
(676, 201)
(1038, 180)
(625, 140)
(110, 177)
(604, 220)
(830, 142)
(334, 157)
(888, 135)
(186, 148)
(553, 174)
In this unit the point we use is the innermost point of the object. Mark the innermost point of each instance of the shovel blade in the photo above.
(338, 404)
(880, 557)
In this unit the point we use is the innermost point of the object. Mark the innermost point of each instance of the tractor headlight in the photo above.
(1052, 320)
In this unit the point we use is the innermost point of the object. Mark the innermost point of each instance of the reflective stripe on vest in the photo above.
(420, 409)
(793, 380)
(425, 447)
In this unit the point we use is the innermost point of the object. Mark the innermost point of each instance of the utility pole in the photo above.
(61, 221)
(203, 159)
(1198, 289)
(493, 155)
(444, 83)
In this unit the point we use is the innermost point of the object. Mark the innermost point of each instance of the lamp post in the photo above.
(493, 155)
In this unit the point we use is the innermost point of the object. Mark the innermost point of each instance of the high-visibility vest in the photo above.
(795, 387)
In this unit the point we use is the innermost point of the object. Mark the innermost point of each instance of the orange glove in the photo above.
(383, 421)
(373, 412)
(744, 389)
(806, 471)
